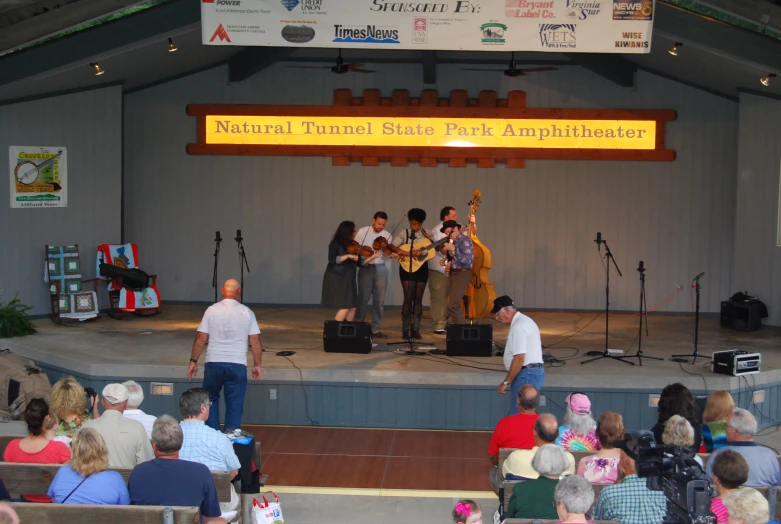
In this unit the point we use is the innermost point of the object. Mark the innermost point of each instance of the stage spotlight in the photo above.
(171, 46)
(674, 50)
(98, 70)
(766, 79)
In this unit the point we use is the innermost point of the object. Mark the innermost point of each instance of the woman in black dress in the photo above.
(339, 289)
(413, 284)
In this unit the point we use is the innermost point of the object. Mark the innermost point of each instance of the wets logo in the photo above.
(637, 10)
(220, 33)
(580, 10)
(558, 36)
(369, 34)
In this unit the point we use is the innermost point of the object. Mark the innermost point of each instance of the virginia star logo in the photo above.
(221, 33)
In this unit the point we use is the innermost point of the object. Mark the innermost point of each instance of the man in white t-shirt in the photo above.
(373, 277)
(227, 326)
(522, 352)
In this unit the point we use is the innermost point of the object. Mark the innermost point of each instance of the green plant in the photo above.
(14, 321)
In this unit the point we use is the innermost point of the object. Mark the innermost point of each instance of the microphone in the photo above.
(238, 236)
(641, 267)
(599, 240)
(218, 238)
(698, 276)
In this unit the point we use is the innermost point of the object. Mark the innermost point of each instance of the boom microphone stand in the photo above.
(242, 261)
(643, 313)
(412, 351)
(694, 356)
(609, 258)
(216, 262)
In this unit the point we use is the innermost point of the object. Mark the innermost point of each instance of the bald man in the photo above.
(8, 515)
(227, 326)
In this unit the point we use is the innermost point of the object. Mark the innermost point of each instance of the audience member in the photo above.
(202, 443)
(579, 432)
(602, 467)
(167, 480)
(38, 447)
(630, 501)
(135, 396)
(747, 506)
(533, 499)
(714, 419)
(515, 431)
(127, 441)
(730, 471)
(763, 469)
(4, 495)
(86, 479)
(679, 432)
(573, 497)
(467, 512)
(8, 515)
(518, 465)
(68, 406)
(676, 399)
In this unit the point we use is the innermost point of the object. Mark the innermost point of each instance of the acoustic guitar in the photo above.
(429, 250)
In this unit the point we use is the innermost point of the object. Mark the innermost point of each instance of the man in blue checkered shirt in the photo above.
(630, 502)
(201, 443)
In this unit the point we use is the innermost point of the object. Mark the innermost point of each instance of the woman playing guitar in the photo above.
(413, 283)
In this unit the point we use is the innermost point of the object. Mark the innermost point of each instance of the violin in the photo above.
(382, 244)
(355, 248)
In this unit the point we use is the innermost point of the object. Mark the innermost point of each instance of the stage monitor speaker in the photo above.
(469, 340)
(347, 337)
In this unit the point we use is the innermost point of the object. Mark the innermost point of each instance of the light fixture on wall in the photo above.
(766, 79)
(674, 49)
(171, 46)
(98, 70)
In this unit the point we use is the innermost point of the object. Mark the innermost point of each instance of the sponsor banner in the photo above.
(39, 176)
(432, 132)
(588, 26)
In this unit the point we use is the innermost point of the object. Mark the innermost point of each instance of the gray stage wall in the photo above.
(539, 221)
(89, 124)
(757, 262)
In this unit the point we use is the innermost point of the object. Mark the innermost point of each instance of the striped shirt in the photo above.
(207, 446)
(631, 502)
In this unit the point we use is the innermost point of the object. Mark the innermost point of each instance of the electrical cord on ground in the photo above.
(575, 333)
(287, 355)
(695, 374)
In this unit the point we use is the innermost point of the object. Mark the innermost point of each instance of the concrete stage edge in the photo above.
(386, 389)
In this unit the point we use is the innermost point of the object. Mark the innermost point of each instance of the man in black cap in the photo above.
(459, 256)
(522, 352)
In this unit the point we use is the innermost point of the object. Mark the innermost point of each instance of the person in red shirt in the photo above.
(514, 431)
(38, 447)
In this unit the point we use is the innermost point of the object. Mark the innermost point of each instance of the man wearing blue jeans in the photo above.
(227, 326)
(523, 351)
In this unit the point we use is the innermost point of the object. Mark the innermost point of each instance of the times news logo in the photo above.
(220, 33)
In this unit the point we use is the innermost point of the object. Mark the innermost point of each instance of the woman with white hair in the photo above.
(746, 506)
(533, 499)
(679, 432)
(573, 497)
(579, 432)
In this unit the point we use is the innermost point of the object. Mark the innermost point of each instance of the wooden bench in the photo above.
(100, 514)
(535, 521)
(36, 478)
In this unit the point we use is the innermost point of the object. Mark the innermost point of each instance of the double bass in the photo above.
(480, 293)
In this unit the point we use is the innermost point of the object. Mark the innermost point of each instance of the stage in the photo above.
(389, 389)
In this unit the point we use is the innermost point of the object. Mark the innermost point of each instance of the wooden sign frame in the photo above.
(430, 105)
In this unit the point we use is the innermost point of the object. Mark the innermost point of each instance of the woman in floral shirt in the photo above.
(68, 405)
(602, 467)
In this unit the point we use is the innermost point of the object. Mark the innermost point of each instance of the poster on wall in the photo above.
(39, 176)
(586, 26)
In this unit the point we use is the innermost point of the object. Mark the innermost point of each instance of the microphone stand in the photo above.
(694, 356)
(242, 261)
(606, 353)
(643, 312)
(216, 262)
(412, 351)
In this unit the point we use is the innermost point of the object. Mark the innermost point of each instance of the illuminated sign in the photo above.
(432, 132)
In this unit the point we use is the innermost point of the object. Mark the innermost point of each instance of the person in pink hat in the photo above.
(579, 432)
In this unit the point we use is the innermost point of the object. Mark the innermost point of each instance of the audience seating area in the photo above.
(92, 514)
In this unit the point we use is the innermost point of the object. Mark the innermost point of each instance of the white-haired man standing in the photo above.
(134, 399)
(522, 352)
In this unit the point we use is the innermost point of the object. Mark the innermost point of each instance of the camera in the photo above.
(91, 393)
(673, 470)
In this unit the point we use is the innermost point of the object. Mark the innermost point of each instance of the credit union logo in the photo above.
(220, 33)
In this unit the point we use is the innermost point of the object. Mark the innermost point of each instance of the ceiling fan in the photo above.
(513, 71)
(340, 68)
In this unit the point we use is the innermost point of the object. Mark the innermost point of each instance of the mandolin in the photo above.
(429, 250)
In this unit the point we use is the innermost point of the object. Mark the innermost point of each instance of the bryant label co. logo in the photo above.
(558, 36)
(220, 33)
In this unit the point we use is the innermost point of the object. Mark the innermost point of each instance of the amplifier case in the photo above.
(347, 337)
(469, 340)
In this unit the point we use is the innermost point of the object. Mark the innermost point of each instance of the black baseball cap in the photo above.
(449, 223)
(501, 302)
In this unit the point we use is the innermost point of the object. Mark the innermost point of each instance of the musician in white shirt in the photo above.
(373, 276)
